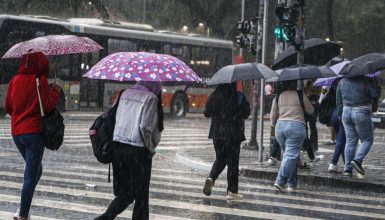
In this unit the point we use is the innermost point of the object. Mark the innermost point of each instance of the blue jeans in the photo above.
(290, 135)
(358, 125)
(31, 149)
(340, 140)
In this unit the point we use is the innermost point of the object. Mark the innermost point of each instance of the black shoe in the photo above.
(208, 186)
(348, 173)
(357, 165)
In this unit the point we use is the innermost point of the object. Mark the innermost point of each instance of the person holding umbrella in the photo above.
(354, 105)
(356, 94)
(228, 110)
(138, 127)
(288, 117)
(23, 106)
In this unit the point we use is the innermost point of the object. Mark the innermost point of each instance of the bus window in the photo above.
(181, 52)
(167, 49)
(223, 58)
(117, 45)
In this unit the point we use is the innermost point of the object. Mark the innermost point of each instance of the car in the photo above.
(378, 117)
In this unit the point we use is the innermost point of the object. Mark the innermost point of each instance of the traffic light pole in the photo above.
(253, 137)
(301, 33)
(262, 93)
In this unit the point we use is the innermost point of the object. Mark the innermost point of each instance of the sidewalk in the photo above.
(249, 167)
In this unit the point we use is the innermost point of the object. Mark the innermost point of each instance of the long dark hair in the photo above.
(160, 112)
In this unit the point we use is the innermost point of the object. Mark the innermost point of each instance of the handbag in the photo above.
(52, 124)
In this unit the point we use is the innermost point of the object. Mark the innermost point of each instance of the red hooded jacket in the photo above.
(22, 100)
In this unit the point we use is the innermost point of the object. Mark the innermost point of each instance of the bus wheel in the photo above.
(179, 106)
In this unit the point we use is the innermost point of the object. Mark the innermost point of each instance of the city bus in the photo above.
(204, 55)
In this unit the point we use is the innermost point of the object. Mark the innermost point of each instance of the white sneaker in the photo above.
(332, 168)
(17, 215)
(233, 196)
(291, 189)
(272, 161)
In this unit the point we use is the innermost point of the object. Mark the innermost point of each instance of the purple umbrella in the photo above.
(328, 81)
(142, 66)
(337, 69)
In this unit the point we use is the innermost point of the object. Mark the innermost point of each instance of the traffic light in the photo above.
(247, 38)
(287, 20)
(279, 32)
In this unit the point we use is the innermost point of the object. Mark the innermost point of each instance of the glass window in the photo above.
(118, 45)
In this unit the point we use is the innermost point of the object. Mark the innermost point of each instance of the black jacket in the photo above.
(228, 110)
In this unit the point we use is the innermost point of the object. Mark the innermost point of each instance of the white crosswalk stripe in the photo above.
(175, 193)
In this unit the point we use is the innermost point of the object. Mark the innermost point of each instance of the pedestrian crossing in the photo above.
(64, 190)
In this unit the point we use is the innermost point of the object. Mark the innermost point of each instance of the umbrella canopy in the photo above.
(244, 71)
(337, 67)
(302, 72)
(317, 52)
(367, 64)
(54, 45)
(142, 66)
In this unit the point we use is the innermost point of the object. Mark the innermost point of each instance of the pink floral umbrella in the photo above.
(142, 66)
(54, 45)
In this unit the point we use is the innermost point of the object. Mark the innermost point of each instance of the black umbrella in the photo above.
(302, 72)
(317, 52)
(336, 60)
(367, 64)
(244, 71)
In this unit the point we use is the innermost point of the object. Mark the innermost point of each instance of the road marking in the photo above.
(9, 215)
(76, 207)
(153, 201)
(220, 189)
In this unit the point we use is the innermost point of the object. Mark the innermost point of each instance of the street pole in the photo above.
(242, 19)
(253, 137)
(301, 33)
(262, 93)
(144, 10)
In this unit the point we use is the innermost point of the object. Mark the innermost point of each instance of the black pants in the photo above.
(132, 173)
(313, 133)
(227, 153)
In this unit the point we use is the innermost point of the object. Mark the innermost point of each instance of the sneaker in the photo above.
(357, 166)
(291, 189)
(234, 196)
(272, 161)
(279, 187)
(16, 216)
(332, 168)
(348, 173)
(360, 176)
(208, 186)
(329, 142)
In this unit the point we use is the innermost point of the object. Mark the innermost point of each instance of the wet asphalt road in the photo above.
(74, 185)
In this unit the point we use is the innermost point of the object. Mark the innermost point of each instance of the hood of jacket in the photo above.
(34, 63)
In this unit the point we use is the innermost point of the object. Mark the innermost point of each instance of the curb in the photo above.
(348, 182)
(313, 180)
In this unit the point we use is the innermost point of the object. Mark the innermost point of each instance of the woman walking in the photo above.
(23, 106)
(138, 127)
(228, 110)
(287, 115)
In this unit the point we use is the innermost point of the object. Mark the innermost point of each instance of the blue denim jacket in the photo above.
(356, 91)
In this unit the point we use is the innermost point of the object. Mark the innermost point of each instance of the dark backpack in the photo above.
(101, 134)
(326, 108)
(53, 130)
(52, 124)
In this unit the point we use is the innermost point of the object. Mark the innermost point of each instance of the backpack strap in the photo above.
(117, 105)
(300, 97)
